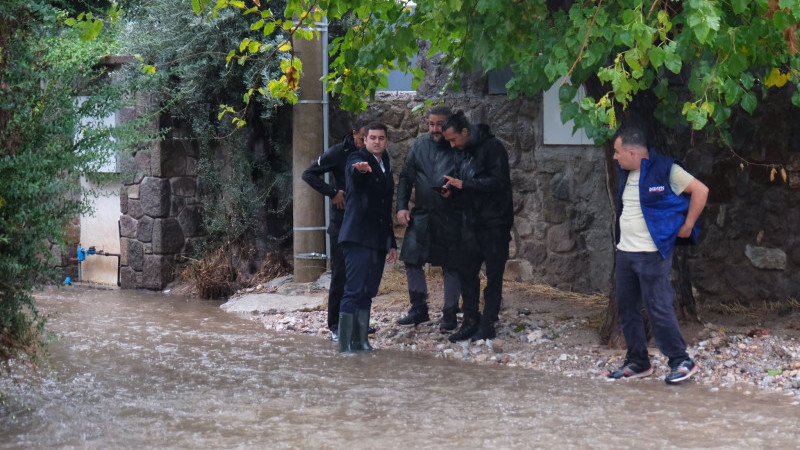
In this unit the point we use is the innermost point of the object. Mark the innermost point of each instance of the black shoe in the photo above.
(485, 331)
(468, 329)
(449, 322)
(414, 317)
(681, 372)
(631, 370)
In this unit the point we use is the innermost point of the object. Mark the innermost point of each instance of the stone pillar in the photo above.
(307, 145)
(161, 210)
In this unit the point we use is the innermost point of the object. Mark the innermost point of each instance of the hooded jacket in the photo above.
(486, 195)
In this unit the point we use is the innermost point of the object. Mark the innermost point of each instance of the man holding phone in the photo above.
(433, 222)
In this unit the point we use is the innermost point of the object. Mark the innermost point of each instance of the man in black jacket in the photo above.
(432, 235)
(367, 235)
(333, 161)
(482, 184)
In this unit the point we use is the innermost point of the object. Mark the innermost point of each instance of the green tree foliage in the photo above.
(721, 54)
(45, 149)
(192, 68)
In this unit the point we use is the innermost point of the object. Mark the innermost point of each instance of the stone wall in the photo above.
(161, 210)
(562, 226)
(749, 248)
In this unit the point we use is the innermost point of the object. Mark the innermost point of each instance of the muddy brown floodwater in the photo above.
(143, 370)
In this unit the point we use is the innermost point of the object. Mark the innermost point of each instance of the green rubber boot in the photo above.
(347, 332)
(361, 341)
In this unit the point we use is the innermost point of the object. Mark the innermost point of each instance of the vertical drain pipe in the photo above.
(308, 212)
(323, 27)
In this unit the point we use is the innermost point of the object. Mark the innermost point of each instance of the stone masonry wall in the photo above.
(562, 226)
(749, 249)
(161, 211)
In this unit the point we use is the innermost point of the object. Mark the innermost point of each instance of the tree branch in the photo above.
(585, 41)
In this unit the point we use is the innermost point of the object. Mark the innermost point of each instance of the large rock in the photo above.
(191, 221)
(157, 272)
(173, 163)
(559, 239)
(145, 230)
(183, 186)
(168, 237)
(129, 278)
(135, 209)
(135, 258)
(766, 258)
(155, 195)
(128, 226)
(518, 270)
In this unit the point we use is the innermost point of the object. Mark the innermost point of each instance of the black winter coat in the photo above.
(433, 235)
(486, 194)
(332, 160)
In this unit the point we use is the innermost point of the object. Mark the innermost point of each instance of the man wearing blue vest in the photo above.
(658, 202)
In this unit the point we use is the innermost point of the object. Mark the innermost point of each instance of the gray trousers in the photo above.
(418, 287)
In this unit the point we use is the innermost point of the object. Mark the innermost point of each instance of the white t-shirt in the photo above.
(634, 235)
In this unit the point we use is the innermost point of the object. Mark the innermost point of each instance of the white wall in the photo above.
(101, 230)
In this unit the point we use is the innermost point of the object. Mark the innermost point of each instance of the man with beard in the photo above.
(367, 235)
(482, 184)
(333, 161)
(433, 224)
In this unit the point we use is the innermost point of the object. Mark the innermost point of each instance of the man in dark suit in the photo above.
(334, 161)
(366, 236)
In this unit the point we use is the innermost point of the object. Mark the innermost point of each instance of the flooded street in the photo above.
(144, 370)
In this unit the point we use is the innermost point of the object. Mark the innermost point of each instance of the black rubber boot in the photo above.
(485, 330)
(347, 329)
(419, 310)
(468, 329)
(449, 320)
(360, 339)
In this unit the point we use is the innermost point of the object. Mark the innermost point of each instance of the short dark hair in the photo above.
(456, 121)
(440, 110)
(631, 135)
(377, 126)
(361, 124)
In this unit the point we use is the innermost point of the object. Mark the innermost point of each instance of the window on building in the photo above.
(555, 132)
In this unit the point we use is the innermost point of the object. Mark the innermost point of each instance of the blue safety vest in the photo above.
(664, 212)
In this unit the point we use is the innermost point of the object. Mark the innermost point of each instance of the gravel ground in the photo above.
(557, 334)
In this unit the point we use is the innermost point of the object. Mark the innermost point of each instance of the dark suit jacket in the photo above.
(368, 209)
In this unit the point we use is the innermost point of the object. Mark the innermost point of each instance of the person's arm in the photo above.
(698, 195)
(317, 169)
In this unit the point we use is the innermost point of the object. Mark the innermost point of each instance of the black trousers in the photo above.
(489, 247)
(364, 273)
(336, 289)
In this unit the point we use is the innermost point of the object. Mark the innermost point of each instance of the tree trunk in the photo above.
(685, 305)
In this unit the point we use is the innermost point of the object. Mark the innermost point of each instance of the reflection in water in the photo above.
(141, 370)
